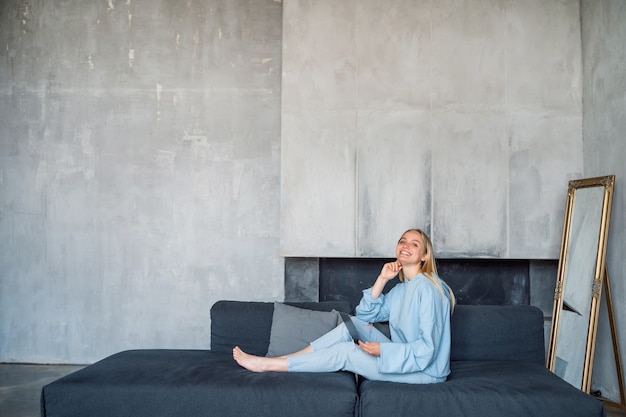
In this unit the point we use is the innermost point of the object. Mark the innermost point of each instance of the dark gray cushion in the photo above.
(295, 328)
(485, 389)
(148, 383)
(507, 333)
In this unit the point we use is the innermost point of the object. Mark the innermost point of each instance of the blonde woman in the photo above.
(418, 310)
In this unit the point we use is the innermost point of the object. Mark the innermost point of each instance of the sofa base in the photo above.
(482, 388)
(193, 383)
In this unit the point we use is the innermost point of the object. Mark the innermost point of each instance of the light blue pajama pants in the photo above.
(336, 351)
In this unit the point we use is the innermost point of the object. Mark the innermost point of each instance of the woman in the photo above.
(418, 310)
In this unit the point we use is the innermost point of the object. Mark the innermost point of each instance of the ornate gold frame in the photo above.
(600, 277)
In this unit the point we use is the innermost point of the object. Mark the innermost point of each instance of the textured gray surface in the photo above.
(139, 172)
(463, 118)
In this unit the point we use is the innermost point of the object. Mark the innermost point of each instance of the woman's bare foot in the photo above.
(247, 361)
(258, 363)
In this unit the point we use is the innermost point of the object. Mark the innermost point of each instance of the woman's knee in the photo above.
(343, 353)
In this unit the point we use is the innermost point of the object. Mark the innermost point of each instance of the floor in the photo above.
(20, 388)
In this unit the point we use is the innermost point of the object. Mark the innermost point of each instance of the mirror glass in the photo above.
(583, 250)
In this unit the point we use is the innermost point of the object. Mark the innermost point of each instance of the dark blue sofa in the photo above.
(180, 383)
(497, 370)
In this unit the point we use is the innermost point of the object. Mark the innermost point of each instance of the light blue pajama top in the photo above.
(419, 322)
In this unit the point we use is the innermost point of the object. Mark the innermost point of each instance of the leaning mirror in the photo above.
(579, 281)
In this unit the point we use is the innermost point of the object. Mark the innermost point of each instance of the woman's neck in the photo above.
(411, 271)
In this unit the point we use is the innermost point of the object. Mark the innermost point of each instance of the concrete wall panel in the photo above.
(468, 49)
(318, 183)
(393, 55)
(394, 178)
(544, 156)
(319, 58)
(470, 185)
(543, 56)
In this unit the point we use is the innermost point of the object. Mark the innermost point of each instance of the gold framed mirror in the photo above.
(581, 273)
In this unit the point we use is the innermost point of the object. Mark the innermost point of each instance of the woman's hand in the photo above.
(390, 270)
(371, 348)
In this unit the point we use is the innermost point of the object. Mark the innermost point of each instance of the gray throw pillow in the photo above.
(295, 328)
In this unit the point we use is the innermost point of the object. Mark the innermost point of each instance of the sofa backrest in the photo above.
(248, 324)
(503, 333)
(479, 333)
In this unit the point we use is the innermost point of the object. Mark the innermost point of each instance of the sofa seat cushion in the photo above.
(193, 383)
(482, 388)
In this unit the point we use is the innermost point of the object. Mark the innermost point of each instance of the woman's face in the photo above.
(411, 248)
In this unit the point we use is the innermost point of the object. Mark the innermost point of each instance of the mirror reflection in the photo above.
(583, 250)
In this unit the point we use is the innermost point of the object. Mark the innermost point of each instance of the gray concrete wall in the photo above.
(460, 117)
(604, 134)
(139, 171)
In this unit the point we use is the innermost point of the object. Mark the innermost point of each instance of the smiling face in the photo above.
(411, 249)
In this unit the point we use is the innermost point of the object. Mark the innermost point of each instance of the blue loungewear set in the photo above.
(419, 349)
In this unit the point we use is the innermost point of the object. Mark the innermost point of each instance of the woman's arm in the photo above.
(387, 273)
(373, 307)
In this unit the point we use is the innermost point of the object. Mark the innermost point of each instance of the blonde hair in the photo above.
(429, 267)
